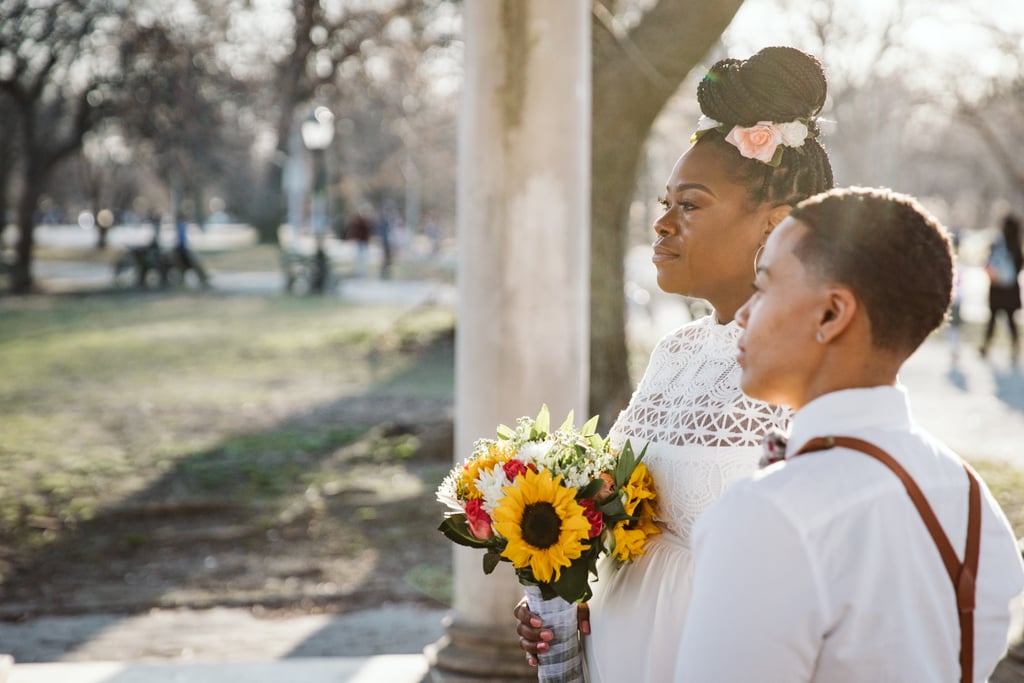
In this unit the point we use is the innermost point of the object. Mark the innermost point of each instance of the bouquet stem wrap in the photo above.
(563, 662)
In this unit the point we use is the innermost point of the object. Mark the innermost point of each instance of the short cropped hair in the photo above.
(895, 257)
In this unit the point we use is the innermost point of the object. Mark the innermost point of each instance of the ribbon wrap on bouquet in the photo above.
(563, 662)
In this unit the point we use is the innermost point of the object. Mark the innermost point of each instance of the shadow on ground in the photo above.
(331, 511)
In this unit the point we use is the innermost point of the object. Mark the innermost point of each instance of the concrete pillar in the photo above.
(523, 203)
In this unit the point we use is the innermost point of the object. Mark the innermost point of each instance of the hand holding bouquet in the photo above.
(551, 503)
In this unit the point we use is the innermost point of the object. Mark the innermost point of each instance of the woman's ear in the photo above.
(837, 313)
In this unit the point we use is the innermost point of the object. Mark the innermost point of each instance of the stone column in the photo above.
(523, 225)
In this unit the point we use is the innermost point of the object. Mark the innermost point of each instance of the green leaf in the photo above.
(572, 584)
(591, 489)
(505, 433)
(543, 422)
(457, 530)
(567, 425)
(591, 426)
(613, 510)
(491, 559)
(628, 460)
(624, 467)
(640, 457)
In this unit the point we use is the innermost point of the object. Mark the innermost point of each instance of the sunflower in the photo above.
(544, 525)
(639, 487)
(631, 534)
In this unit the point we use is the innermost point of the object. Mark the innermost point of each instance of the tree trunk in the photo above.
(101, 230)
(634, 76)
(21, 278)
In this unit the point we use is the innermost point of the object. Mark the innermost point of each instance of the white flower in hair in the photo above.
(793, 133)
(707, 123)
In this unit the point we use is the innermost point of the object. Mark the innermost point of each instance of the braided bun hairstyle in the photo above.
(778, 84)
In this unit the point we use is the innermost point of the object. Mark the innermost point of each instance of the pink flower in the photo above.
(756, 142)
(593, 515)
(478, 519)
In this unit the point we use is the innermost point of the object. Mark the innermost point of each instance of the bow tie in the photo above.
(774, 445)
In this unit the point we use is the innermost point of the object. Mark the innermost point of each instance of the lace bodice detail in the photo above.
(702, 433)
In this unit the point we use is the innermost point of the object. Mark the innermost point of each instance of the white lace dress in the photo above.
(702, 435)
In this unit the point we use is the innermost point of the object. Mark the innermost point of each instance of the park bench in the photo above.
(307, 273)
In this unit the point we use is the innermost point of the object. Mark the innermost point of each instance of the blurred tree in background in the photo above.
(639, 60)
(199, 97)
(993, 108)
(61, 68)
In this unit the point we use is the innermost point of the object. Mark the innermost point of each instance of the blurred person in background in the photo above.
(1003, 267)
(387, 228)
(358, 229)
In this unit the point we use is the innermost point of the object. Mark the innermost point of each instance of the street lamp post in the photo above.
(317, 133)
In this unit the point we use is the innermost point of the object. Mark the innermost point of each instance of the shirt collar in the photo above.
(849, 411)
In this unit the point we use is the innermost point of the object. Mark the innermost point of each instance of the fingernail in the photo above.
(536, 622)
(585, 627)
(546, 635)
(542, 647)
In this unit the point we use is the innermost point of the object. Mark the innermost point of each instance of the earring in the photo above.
(820, 337)
(757, 257)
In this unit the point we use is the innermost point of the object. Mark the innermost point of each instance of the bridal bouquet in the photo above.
(551, 503)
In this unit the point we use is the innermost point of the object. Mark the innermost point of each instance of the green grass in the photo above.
(106, 399)
(1007, 485)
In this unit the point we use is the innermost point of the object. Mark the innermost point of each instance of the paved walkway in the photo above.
(385, 669)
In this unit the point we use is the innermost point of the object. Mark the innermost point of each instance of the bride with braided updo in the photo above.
(754, 155)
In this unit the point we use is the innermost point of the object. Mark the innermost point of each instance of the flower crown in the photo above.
(762, 141)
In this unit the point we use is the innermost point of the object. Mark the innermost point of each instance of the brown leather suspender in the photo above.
(962, 575)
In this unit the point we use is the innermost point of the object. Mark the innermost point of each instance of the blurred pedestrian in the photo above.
(1003, 267)
(148, 256)
(433, 232)
(358, 229)
(386, 229)
(955, 320)
(186, 258)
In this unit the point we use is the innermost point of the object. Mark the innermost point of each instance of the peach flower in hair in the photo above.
(756, 142)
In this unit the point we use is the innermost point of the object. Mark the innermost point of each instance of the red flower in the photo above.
(593, 515)
(513, 468)
(478, 519)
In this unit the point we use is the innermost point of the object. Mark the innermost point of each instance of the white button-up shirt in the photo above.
(821, 569)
